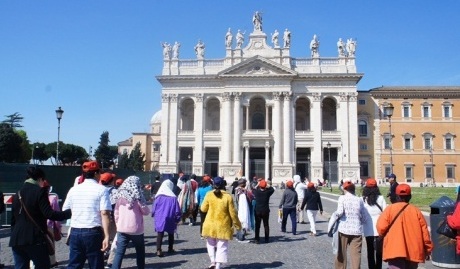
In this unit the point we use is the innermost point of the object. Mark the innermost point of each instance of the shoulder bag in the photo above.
(378, 241)
(48, 237)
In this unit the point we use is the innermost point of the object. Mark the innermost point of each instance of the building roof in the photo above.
(416, 92)
(156, 118)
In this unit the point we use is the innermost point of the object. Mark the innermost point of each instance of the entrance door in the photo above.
(303, 167)
(257, 162)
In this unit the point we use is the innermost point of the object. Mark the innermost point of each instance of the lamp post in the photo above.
(90, 152)
(433, 183)
(59, 113)
(388, 111)
(33, 153)
(329, 164)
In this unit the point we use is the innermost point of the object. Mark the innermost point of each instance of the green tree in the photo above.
(136, 158)
(71, 154)
(11, 150)
(26, 153)
(14, 120)
(39, 153)
(123, 161)
(104, 153)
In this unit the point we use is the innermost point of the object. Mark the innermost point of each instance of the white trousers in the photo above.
(217, 250)
(311, 215)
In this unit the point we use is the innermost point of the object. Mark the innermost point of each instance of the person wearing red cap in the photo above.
(262, 209)
(352, 218)
(289, 205)
(374, 203)
(407, 242)
(312, 199)
(203, 189)
(91, 207)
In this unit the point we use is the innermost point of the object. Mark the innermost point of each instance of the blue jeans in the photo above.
(122, 243)
(86, 243)
(292, 212)
(37, 253)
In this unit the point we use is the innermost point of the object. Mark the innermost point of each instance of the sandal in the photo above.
(160, 253)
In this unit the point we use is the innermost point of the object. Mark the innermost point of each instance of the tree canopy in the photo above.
(105, 154)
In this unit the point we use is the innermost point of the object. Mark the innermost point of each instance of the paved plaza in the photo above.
(284, 250)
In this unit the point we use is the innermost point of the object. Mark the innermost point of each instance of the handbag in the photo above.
(446, 230)
(378, 241)
(47, 235)
(56, 232)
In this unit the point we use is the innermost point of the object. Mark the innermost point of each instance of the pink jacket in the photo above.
(130, 221)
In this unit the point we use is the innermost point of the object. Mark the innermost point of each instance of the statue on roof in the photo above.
(239, 39)
(287, 38)
(275, 39)
(228, 39)
(166, 50)
(199, 49)
(351, 47)
(175, 50)
(341, 47)
(314, 47)
(257, 21)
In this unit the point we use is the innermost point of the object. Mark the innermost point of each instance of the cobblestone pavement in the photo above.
(284, 250)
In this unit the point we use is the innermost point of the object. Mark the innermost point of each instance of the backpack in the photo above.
(2, 203)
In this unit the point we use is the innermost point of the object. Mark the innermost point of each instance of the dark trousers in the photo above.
(202, 218)
(37, 253)
(122, 244)
(85, 244)
(292, 212)
(160, 240)
(374, 259)
(262, 216)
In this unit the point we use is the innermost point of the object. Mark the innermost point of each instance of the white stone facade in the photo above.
(260, 112)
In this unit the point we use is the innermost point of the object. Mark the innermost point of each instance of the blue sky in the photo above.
(98, 59)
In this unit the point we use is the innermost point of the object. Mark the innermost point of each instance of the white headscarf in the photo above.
(296, 179)
(166, 189)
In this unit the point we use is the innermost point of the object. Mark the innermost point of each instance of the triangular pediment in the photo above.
(257, 66)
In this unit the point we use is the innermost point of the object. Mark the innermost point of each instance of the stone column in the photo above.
(287, 129)
(266, 117)
(277, 138)
(267, 159)
(226, 128)
(246, 160)
(237, 128)
(164, 129)
(317, 128)
(198, 133)
(247, 117)
(172, 147)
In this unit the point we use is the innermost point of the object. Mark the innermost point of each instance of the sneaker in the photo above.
(108, 266)
(190, 224)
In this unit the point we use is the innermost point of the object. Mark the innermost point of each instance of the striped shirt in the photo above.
(86, 201)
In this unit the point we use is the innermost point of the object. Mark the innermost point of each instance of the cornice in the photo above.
(416, 92)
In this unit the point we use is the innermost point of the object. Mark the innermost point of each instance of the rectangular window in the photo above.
(427, 142)
(387, 170)
(449, 143)
(361, 102)
(364, 168)
(363, 146)
(426, 112)
(450, 170)
(446, 112)
(386, 143)
(156, 147)
(428, 172)
(407, 143)
(409, 174)
(406, 112)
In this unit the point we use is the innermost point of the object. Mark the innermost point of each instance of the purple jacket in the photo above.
(166, 212)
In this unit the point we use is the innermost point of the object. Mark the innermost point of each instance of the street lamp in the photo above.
(329, 164)
(59, 113)
(433, 183)
(388, 111)
(33, 153)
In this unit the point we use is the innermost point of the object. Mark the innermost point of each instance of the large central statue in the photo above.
(257, 21)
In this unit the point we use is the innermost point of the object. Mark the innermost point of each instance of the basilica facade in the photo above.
(260, 111)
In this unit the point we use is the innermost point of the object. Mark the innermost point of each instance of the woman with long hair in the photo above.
(130, 209)
(312, 200)
(374, 203)
(221, 218)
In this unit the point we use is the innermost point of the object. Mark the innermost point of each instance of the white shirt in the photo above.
(369, 228)
(300, 189)
(86, 201)
(353, 215)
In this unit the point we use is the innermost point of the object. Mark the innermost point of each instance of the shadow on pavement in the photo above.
(256, 265)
